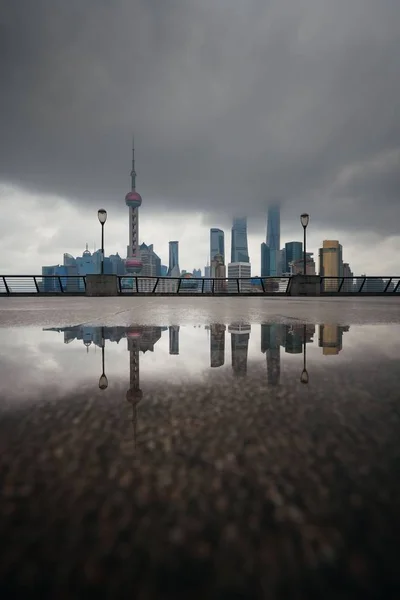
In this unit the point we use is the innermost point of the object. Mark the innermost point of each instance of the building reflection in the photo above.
(217, 345)
(272, 336)
(277, 335)
(331, 338)
(139, 339)
(240, 335)
(174, 339)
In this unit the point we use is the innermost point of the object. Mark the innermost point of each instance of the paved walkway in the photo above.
(53, 312)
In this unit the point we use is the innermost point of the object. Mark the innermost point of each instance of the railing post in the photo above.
(212, 286)
(179, 285)
(6, 286)
(397, 287)
(238, 286)
(262, 284)
(387, 287)
(341, 285)
(202, 286)
(153, 291)
(36, 284)
(84, 282)
(136, 283)
(60, 284)
(362, 285)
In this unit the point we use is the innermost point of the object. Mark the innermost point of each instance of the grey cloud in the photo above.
(232, 104)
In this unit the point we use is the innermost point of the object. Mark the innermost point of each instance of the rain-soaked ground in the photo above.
(240, 448)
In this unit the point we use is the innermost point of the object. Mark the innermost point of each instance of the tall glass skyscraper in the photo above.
(239, 247)
(265, 262)
(274, 239)
(173, 267)
(217, 243)
(294, 251)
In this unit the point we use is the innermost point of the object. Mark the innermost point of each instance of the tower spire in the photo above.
(133, 172)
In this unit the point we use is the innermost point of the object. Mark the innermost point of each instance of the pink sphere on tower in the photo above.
(133, 199)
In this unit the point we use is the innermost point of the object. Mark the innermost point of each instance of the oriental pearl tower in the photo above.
(133, 200)
(134, 394)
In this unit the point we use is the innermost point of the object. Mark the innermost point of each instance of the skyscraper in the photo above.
(173, 267)
(133, 200)
(294, 251)
(331, 263)
(274, 239)
(217, 243)
(239, 247)
(151, 263)
(265, 262)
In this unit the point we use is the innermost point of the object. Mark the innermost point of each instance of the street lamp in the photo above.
(102, 215)
(304, 218)
(103, 381)
(304, 374)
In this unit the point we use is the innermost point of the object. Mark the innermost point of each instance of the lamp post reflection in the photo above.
(103, 381)
(304, 374)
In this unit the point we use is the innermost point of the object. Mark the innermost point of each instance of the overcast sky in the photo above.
(234, 104)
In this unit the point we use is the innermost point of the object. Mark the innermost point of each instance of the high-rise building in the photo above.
(218, 271)
(174, 339)
(236, 271)
(173, 267)
(274, 239)
(348, 283)
(217, 344)
(265, 263)
(217, 243)
(133, 200)
(294, 252)
(297, 266)
(197, 273)
(331, 264)
(151, 262)
(239, 246)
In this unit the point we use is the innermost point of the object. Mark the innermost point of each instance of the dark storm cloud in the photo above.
(233, 103)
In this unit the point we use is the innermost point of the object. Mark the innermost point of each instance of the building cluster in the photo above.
(141, 259)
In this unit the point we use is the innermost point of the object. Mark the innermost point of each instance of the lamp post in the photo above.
(102, 215)
(304, 218)
(103, 381)
(304, 374)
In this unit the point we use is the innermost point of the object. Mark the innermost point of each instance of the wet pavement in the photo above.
(224, 449)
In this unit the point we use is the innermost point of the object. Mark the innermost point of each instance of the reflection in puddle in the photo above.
(274, 338)
(219, 444)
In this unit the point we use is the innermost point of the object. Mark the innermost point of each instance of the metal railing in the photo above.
(373, 285)
(11, 285)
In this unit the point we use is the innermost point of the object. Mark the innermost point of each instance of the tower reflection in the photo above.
(217, 345)
(331, 338)
(240, 335)
(174, 339)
